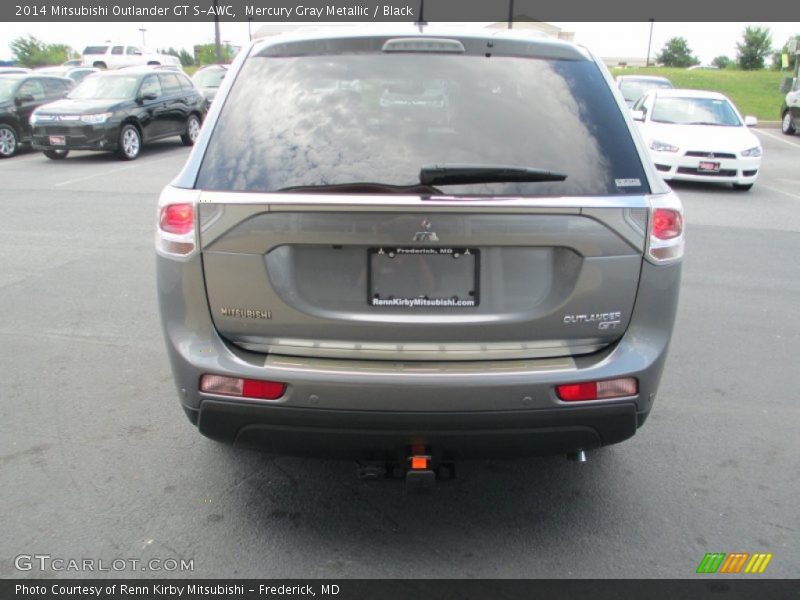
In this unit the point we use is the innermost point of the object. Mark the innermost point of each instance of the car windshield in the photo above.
(95, 49)
(7, 88)
(210, 78)
(378, 118)
(695, 111)
(633, 89)
(115, 87)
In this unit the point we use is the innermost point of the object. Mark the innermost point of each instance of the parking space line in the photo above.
(780, 139)
(79, 179)
(772, 189)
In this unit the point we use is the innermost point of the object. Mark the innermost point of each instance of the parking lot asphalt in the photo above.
(97, 460)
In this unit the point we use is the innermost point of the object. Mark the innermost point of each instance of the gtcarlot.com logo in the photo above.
(734, 563)
(46, 562)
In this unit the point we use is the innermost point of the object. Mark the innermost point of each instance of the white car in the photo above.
(112, 55)
(699, 136)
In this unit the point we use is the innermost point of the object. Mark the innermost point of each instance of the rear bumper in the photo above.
(389, 435)
(374, 408)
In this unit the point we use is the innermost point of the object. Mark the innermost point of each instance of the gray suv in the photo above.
(414, 244)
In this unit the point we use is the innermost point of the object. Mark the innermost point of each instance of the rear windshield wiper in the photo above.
(454, 174)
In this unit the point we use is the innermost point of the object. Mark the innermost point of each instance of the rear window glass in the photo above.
(95, 49)
(354, 118)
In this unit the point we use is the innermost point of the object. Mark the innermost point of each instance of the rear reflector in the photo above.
(243, 388)
(598, 390)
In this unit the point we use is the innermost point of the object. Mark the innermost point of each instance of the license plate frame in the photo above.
(708, 166)
(58, 140)
(420, 266)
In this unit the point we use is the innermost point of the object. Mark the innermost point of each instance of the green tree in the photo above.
(676, 53)
(204, 54)
(186, 59)
(777, 61)
(32, 52)
(755, 46)
(722, 62)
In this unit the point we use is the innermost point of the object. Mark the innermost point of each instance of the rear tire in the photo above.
(192, 130)
(787, 126)
(130, 142)
(9, 142)
(56, 154)
(742, 187)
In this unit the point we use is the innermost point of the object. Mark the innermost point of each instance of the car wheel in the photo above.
(130, 143)
(8, 141)
(742, 187)
(100, 65)
(56, 154)
(192, 131)
(787, 126)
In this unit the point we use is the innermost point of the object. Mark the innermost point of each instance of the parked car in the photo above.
(634, 86)
(343, 276)
(115, 55)
(699, 136)
(76, 74)
(20, 95)
(14, 70)
(120, 111)
(73, 62)
(790, 110)
(208, 79)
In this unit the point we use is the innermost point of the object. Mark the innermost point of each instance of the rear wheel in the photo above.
(192, 130)
(56, 154)
(742, 187)
(8, 141)
(130, 143)
(100, 65)
(787, 126)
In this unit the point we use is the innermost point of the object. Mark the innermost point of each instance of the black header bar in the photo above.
(316, 11)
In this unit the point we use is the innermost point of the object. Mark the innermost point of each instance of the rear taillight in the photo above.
(177, 218)
(255, 389)
(176, 235)
(665, 237)
(667, 223)
(598, 390)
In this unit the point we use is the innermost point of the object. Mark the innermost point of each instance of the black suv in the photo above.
(20, 95)
(120, 111)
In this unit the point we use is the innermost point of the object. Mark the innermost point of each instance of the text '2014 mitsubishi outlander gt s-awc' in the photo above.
(416, 244)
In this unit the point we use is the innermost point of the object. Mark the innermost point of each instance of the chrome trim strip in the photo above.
(424, 352)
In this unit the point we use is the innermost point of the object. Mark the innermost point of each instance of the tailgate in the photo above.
(414, 279)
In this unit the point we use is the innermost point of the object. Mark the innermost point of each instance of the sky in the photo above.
(707, 40)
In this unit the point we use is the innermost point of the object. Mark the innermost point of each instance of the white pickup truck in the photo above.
(108, 55)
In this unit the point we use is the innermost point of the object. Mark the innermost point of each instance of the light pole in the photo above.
(217, 46)
(249, 31)
(650, 42)
(143, 30)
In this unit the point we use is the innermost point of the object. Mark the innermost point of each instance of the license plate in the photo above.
(423, 277)
(708, 166)
(58, 140)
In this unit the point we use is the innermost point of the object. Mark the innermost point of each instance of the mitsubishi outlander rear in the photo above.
(412, 243)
